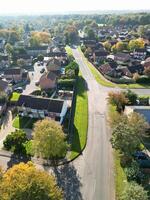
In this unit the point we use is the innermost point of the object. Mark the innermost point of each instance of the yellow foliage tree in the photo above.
(25, 182)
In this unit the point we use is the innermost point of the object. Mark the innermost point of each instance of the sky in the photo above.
(61, 6)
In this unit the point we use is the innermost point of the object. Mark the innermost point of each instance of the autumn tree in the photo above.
(118, 99)
(147, 71)
(9, 48)
(25, 182)
(38, 38)
(134, 191)
(136, 44)
(49, 139)
(107, 45)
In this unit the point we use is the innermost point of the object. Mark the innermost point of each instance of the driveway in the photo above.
(6, 127)
(34, 77)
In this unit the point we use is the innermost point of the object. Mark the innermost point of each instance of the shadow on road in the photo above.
(69, 181)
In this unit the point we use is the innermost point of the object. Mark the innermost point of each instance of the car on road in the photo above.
(42, 71)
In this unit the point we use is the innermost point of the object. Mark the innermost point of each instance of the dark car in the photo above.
(19, 90)
(42, 71)
(140, 155)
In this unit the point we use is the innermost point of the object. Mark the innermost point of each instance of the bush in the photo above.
(133, 171)
(131, 96)
(66, 83)
(15, 142)
(143, 80)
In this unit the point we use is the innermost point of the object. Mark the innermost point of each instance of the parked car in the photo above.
(19, 90)
(140, 155)
(42, 71)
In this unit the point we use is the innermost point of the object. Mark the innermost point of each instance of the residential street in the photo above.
(91, 175)
(95, 166)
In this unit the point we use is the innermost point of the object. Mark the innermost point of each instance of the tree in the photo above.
(38, 38)
(131, 96)
(72, 68)
(107, 45)
(25, 182)
(133, 191)
(125, 139)
(9, 48)
(118, 99)
(40, 57)
(120, 46)
(71, 34)
(21, 62)
(15, 142)
(3, 97)
(136, 44)
(138, 123)
(147, 71)
(49, 139)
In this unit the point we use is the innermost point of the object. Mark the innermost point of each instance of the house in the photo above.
(27, 59)
(16, 74)
(48, 81)
(39, 107)
(147, 62)
(136, 69)
(100, 55)
(122, 58)
(89, 43)
(4, 87)
(4, 61)
(53, 64)
(139, 54)
(35, 51)
(143, 110)
(2, 44)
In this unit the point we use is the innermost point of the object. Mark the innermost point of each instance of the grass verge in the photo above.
(120, 176)
(80, 119)
(68, 50)
(15, 96)
(101, 80)
(23, 122)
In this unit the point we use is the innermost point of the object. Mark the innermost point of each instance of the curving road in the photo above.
(95, 166)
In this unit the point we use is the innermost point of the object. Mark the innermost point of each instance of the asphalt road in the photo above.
(95, 166)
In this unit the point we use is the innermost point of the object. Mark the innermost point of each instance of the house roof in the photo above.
(57, 54)
(101, 52)
(122, 56)
(39, 103)
(136, 68)
(49, 75)
(54, 61)
(13, 71)
(3, 84)
(105, 68)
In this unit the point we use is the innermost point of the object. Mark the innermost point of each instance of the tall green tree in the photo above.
(49, 139)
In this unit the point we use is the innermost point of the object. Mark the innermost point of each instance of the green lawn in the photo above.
(80, 119)
(23, 122)
(68, 50)
(15, 96)
(101, 80)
